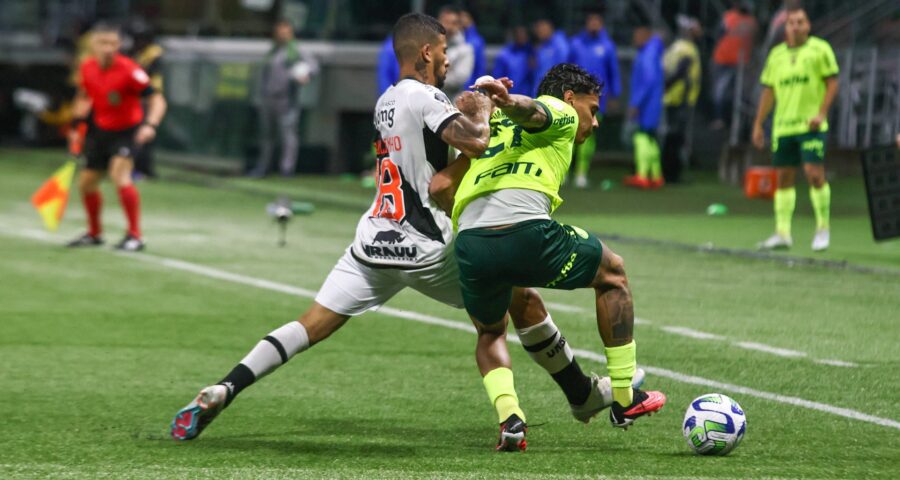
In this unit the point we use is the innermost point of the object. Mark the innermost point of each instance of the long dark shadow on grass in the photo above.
(220, 183)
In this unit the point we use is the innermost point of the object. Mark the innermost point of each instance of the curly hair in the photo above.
(568, 76)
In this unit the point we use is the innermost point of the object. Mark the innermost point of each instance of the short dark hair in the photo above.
(568, 76)
(106, 27)
(412, 31)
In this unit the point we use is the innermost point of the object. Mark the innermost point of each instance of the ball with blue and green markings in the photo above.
(714, 424)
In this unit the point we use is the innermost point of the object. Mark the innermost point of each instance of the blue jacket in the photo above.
(548, 54)
(647, 82)
(474, 39)
(388, 69)
(597, 55)
(513, 61)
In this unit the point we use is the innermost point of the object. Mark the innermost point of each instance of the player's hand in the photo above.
(146, 133)
(759, 137)
(74, 139)
(496, 90)
(472, 104)
(816, 122)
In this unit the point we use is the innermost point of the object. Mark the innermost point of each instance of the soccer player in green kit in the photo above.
(506, 237)
(800, 79)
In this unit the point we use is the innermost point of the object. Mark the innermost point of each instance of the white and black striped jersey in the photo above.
(404, 228)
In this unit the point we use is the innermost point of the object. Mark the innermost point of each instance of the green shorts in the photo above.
(535, 253)
(792, 150)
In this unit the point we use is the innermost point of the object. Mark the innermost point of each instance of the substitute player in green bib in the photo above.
(506, 237)
(800, 79)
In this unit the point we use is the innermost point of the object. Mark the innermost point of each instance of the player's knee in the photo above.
(527, 307)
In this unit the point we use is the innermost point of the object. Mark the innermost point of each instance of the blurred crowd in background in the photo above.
(679, 77)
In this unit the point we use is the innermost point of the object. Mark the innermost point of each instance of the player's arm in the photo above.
(523, 111)
(81, 108)
(831, 90)
(444, 184)
(470, 132)
(766, 102)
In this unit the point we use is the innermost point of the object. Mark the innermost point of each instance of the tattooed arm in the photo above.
(444, 184)
(522, 110)
(470, 132)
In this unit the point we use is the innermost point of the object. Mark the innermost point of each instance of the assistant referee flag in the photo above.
(50, 200)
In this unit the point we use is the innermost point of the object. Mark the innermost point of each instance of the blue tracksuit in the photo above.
(513, 61)
(474, 39)
(548, 54)
(388, 69)
(647, 81)
(597, 55)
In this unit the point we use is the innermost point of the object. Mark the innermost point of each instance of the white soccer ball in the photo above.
(714, 424)
(483, 79)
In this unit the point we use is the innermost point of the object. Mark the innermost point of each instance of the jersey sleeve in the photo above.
(138, 80)
(437, 110)
(561, 121)
(827, 64)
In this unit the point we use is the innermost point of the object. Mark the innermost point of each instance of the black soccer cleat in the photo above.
(130, 244)
(512, 435)
(85, 240)
(644, 403)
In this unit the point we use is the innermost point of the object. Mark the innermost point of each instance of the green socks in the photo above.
(584, 156)
(621, 363)
(821, 202)
(785, 199)
(502, 392)
(646, 156)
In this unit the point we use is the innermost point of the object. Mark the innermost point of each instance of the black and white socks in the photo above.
(270, 353)
(546, 346)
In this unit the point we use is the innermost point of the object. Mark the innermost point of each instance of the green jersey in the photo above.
(797, 76)
(518, 158)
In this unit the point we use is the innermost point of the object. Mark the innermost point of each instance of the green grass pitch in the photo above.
(99, 350)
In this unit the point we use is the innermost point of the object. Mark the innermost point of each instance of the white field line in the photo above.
(217, 274)
(699, 335)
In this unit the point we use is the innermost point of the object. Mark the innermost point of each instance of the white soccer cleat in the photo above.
(190, 421)
(821, 240)
(581, 181)
(776, 242)
(601, 396)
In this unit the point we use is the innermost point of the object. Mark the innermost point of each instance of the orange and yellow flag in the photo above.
(50, 200)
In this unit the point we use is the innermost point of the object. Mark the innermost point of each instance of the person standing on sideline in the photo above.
(285, 70)
(388, 69)
(474, 39)
(681, 64)
(594, 51)
(733, 49)
(459, 52)
(110, 88)
(551, 49)
(800, 81)
(645, 107)
(516, 62)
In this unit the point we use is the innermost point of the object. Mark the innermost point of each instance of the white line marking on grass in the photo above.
(836, 363)
(217, 274)
(689, 332)
(564, 307)
(781, 352)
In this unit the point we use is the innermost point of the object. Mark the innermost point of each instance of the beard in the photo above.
(438, 78)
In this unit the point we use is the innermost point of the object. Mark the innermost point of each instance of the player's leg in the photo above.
(350, 289)
(548, 347)
(786, 159)
(615, 322)
(813, 155)
(89, 188)
(120, 170)
(654, 159)
(642, 153)
(290, 142)
(97, 161)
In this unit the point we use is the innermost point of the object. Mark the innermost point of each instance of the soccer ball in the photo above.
(714, 424)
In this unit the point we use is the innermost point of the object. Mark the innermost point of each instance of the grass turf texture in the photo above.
(100, 350)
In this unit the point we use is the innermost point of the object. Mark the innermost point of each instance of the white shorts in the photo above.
(353, 288)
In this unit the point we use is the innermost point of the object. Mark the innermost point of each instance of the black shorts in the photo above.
(101, 145)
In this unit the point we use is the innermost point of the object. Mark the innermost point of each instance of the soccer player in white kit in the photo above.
(406, 240)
